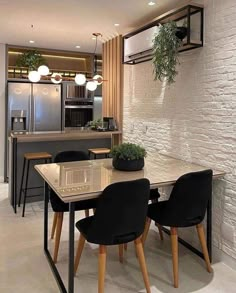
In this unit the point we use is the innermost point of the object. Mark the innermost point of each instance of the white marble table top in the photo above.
(74, 181)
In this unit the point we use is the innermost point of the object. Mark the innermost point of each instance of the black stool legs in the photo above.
(21, 185)
(25, 189)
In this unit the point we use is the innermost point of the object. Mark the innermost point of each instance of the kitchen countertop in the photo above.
(62, 135)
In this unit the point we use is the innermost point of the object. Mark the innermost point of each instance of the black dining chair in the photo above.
(119, 218)
(186, 207)
(59, 207)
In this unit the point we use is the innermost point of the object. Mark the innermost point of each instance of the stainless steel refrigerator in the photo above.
(34, 107)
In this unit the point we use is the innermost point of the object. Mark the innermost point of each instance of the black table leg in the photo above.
(71, 247)
(45, 243)
(14, 173)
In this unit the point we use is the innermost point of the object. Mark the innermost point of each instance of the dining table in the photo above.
(76, 181)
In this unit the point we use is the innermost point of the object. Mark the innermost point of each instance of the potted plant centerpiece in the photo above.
(128, 157)
(166, 44)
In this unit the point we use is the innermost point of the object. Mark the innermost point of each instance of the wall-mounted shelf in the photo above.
(191, 15)
(66, 63)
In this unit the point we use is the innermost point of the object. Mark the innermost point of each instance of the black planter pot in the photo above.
(128, 165)
(181, 32)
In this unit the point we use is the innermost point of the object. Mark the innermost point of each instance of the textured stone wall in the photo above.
(194, 119)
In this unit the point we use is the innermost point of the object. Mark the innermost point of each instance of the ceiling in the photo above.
(63, 24)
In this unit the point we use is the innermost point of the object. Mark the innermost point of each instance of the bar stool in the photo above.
(28, 157)
(99, 151)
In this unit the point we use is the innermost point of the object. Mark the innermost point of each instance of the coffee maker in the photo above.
(110, 123)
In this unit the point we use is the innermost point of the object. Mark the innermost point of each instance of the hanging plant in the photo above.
(31, 59)
(165, 48)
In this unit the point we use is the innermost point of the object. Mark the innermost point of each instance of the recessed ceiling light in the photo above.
(151, 3)
(116, 24)
(93, 38)
(31, 41)
(77, 46)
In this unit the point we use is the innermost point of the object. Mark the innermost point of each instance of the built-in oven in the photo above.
(78, 112)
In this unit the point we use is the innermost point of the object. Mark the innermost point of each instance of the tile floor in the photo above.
(24, 269)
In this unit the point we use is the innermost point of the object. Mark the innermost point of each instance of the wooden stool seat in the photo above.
(99, 151)
(37, 156)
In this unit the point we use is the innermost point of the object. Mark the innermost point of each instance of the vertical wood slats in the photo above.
(112, 105)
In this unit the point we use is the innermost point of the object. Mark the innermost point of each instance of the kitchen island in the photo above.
(51, 142)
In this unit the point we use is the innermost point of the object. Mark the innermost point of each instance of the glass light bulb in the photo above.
(98, 79)
(43, 70)
(56, 78)
(80, 79)
(34, 76)
(91, 85)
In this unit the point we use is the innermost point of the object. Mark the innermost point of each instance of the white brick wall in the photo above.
(194, 119)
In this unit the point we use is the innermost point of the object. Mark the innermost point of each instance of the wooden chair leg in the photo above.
(121, 252)
(146, 229)
(201, 236)
(54, 224)
(58, 235)
(79, 252)
(86, 213)
(101, 268)
(126, 246)
(160, 231)
(174, 246)
(141, 258)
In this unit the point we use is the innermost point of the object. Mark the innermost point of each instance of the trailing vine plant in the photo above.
(165, 49)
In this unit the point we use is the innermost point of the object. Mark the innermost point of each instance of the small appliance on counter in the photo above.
(110, 123)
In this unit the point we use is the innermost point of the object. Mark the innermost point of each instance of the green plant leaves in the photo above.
(165, 50)
(128, 151)
(31, 59)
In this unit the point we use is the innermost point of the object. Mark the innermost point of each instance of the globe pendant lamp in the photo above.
(34, 76)
(80, 79)
(91, 85)
(43, 70)
(56, 78)
(98, 79)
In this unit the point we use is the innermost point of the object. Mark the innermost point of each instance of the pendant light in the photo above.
(34, 76)
(91, 85)
(80, 79)
(97, 77)
(56, 78)
(43, 70)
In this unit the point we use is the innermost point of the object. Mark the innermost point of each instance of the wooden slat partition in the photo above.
(112, 105)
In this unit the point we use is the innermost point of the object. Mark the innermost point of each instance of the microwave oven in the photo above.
(78, 92)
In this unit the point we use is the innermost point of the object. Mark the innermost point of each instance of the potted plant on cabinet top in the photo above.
(31, 59)
(165, 50)
(128, 157)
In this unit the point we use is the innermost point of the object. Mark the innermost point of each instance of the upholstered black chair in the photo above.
(119, 218)
(186, 207)
(59, 207)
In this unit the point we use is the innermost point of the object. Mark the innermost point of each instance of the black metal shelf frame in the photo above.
(178, 14)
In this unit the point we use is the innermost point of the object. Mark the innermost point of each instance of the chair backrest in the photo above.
(71, 156)
(189, 197)
(121, 212)
(65, 156)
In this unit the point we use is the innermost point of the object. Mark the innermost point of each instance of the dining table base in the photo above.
(71, 245)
